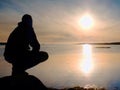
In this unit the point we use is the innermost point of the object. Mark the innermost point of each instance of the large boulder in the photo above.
(27, 82)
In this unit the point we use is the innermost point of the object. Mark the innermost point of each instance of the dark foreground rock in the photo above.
(27, 82)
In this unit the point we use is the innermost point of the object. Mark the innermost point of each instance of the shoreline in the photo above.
(104, 43)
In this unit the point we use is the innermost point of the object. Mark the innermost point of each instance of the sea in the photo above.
(71, 65)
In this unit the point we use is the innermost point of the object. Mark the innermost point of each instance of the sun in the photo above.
(86, 22)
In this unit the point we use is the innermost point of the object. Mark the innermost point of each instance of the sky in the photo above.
(56, 21)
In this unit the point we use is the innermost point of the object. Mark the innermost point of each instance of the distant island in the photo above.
(106, 43)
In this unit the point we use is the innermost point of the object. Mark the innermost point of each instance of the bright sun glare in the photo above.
(86, 22)
(87, 63)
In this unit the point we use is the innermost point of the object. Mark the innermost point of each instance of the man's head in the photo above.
(27, 19)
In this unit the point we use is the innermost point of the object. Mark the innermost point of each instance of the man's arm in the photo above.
(33, 40)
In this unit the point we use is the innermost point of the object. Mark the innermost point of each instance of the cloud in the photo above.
(57, 19)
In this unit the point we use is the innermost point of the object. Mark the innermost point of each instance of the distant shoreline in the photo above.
(106, 43)
(2, 43)
(109, 43)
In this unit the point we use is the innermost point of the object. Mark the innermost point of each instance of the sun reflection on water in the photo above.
(87, 61)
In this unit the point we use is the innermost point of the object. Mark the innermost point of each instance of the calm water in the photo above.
(75, 65)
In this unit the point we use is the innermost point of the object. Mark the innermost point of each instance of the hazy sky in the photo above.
(56, 21)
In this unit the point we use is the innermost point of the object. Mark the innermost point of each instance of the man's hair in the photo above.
(26, 17)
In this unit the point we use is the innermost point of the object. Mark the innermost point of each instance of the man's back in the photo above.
(17, 41)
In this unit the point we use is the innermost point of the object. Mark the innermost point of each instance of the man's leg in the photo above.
(28, 61)
(18, 69)
(34, 58)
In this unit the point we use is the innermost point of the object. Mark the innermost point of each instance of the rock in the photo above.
(27, 82)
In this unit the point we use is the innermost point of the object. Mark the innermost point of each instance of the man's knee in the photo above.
(44, 55)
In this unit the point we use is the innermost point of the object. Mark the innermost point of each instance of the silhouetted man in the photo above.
(22, 48)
